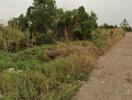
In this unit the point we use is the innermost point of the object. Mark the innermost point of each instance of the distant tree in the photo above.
(109, 26)
(105, 25)
(125, 25)
(116, 26)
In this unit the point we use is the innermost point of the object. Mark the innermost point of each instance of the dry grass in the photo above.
(82, 55)
(10, 38)
(56, 79)
(117, 35)
(71, 49)
(106, 38)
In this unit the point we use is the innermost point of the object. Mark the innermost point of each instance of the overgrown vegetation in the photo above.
(12, 39)
(47, 52)
(50, 72)
(100, 37)
(41, 79)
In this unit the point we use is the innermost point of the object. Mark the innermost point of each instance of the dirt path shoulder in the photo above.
(112, 80)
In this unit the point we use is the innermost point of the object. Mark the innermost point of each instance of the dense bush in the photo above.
(76, 24)
(78, 35)
(45, 39)
(11, 38)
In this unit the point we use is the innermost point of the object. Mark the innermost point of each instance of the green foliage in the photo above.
(100, 37)
(78, 35)
(33, 85)
(38, 21)
(24, 59)
(43, 17)
(5, 60)
(40, 15)
(53, 80)
(106, 26)
(125, 26)
(45, 39)
(77, 24)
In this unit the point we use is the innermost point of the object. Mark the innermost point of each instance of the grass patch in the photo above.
(101, 37)
(39, 80)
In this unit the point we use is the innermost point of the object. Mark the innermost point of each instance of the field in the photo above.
(52, 72)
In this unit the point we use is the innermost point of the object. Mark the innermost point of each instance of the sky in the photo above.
(108, 11)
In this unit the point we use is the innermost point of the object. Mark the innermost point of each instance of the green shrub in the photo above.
(99, 38)
(45, 39)
(78, 35)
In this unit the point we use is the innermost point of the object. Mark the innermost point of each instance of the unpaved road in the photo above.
(112, 80)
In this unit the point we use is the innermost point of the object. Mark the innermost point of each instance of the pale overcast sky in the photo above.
(108, 11)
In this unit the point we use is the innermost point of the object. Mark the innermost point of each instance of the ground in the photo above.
(112, 78)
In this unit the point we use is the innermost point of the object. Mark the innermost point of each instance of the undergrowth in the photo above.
(39, 80)
(53, 79)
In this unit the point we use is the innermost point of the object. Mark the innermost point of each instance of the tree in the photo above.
(22, 23)
(43, 18)
(38, 19)
(84, 23)
(76, 24)
(41, 15)
(124, 25)
(65, 25)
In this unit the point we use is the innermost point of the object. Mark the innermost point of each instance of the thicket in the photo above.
(45, 23)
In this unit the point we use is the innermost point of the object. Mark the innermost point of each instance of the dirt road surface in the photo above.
(112, 80)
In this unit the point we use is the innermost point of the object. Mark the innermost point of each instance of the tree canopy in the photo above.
(43, 17)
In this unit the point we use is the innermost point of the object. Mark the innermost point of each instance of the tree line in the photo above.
(45, 21)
